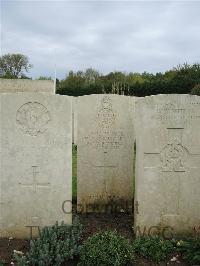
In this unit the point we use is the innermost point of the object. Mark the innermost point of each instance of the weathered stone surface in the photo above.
(74, 119)
(105, 144)
(168, 163)
(35, 179)
(26, 85)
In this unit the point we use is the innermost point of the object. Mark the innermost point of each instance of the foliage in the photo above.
(190, 249)
(106, 248)
(74, 173)
(154, 248)
(91, 76)
(196, 90)
(13, 65)
(2, 262)
(55, 245)
(44, 78)
(179, 80)
(80, 83)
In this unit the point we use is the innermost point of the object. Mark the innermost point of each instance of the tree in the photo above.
(44, 78)
(91, 75)
(14, 65)
(178, 80)
(72, 84)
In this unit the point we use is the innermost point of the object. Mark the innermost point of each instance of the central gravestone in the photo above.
(35, 181)
(105, 153)
(168, 163)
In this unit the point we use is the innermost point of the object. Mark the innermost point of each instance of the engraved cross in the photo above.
(35, 184)
(173, 157)
(174, 160)
(105, 164)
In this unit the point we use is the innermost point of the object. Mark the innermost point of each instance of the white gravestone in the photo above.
(36, 162)
(74, 115)
(26, 85)
(167, 164)
(105, 144)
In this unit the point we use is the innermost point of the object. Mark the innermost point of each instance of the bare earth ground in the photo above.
(92, 223)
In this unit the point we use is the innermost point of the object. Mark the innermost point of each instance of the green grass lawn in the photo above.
(74, 173)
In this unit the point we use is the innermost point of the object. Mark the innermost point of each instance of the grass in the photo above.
(74, 173)
(134, 165)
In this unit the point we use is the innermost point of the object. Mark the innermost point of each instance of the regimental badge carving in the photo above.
(105, 115)
(105, 136)
(33, 118)
(174, 157)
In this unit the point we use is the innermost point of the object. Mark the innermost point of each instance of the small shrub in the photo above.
(106, 248)
(190, 249)
(196, 90)
(55, 245)
(74, 147)
(2, 262)
(154, 248)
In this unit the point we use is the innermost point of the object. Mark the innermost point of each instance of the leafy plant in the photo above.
(55, 245)
(106, 248)
(196, 90)
(2, 262)
(154, 248)
(190, 249)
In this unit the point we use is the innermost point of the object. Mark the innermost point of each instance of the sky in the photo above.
(128, 36)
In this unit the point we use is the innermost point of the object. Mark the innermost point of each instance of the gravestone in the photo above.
(167, 164)
(26, 85)
(36, 159)
(105, 144)
(74, 117)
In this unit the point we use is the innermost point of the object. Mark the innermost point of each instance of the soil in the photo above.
(8, 245)
(93, 223)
